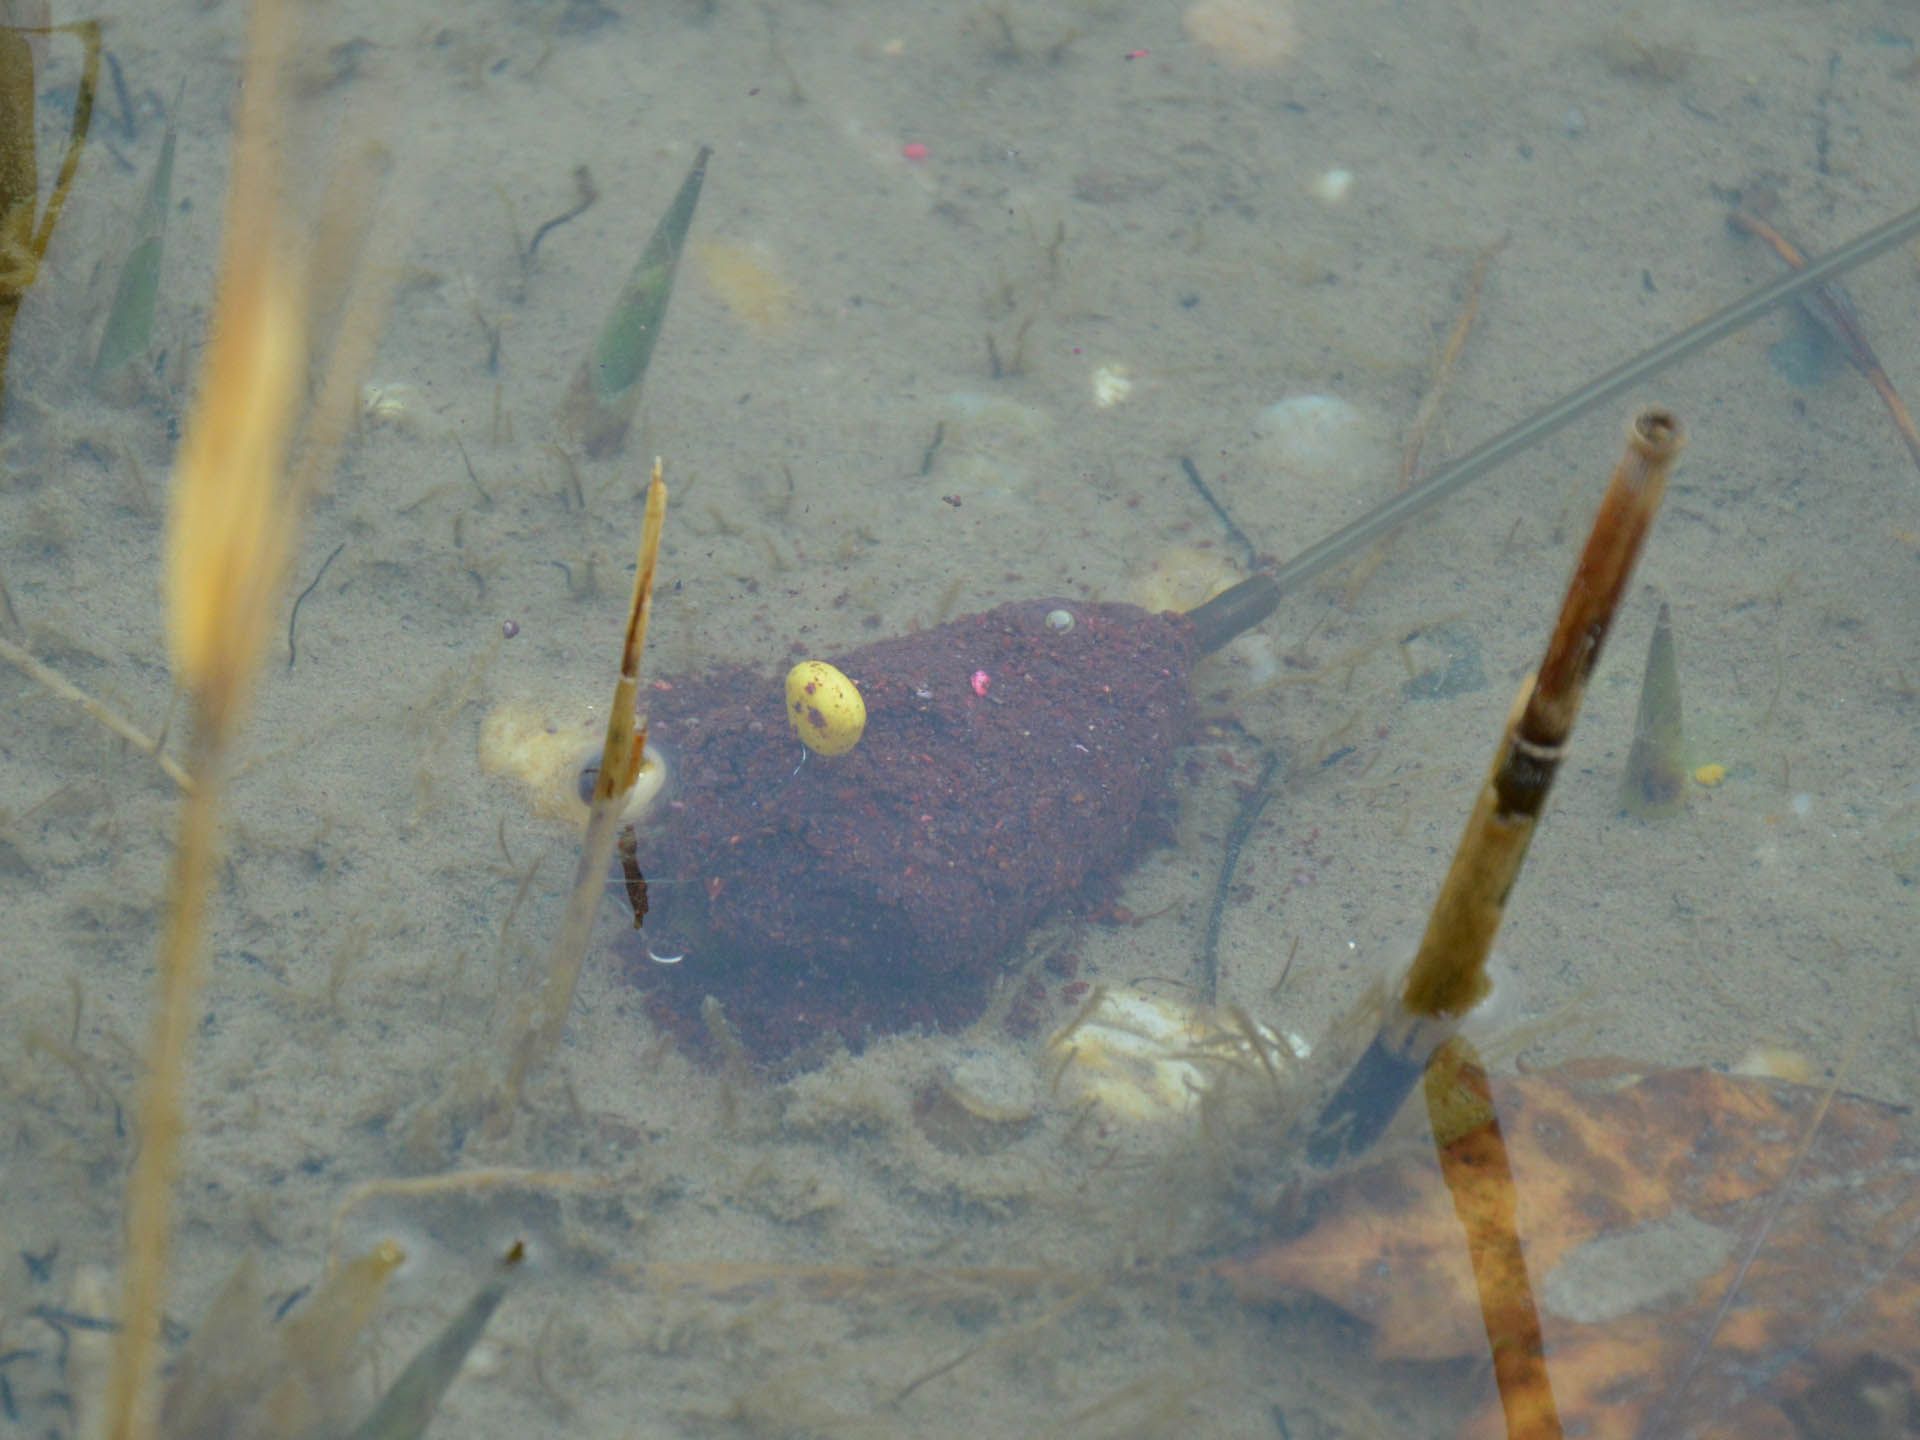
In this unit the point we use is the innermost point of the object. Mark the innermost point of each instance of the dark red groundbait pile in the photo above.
(884, 888)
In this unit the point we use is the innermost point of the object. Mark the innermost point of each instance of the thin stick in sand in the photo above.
(57, 685)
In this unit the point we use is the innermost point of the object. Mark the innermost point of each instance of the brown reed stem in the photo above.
(1486, 1200)
(1448, 976)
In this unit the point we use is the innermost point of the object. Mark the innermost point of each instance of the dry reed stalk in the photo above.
(23, 244)
(1448, 976)
(230, 531)
(620, 760)
(749, 1280)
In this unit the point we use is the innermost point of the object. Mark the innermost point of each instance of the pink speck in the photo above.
(1138, 54)
(915, 150)
(980, 681)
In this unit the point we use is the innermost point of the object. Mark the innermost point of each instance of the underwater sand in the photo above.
(1080, 209)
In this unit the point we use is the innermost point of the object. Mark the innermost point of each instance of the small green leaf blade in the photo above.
(606, 389)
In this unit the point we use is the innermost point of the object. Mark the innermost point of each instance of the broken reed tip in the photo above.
(1654, 783)
(1657, 433)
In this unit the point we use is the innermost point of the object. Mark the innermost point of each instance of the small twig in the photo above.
(933, 448)
(1829, 304)
(472, 475)
(293, 618)
(574, 488)
(1669, 1404)
(1429, 408)
(584, 188)
(1234, 532)
(1449, 356)
(58, 685)
(1007, 1338)
(1252, 803)
(129, 120)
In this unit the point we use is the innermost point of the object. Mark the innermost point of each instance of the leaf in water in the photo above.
(129, 327)
(1639, 1193)
(600, 402)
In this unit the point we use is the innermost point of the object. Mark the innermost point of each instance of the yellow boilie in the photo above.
(825, 708)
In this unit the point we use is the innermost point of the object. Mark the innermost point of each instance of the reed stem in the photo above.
(160, 1122)
(1448, 976)
(231, 523)
(620, 760)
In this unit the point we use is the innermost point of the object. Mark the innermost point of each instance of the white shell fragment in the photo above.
(1319, 439)
(1142, 1059)
(1331, 187)
(1111, 385)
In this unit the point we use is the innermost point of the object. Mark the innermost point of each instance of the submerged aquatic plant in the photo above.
(239, 1379)
(606, 388)
(129, 328)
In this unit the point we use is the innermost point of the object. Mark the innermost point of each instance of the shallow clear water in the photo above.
(1101, 195)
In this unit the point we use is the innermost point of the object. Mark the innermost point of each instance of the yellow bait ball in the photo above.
(1709, 775)
(825, 708)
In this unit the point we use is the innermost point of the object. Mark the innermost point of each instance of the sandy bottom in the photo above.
(878, 395)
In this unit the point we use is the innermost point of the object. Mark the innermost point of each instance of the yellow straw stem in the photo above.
(227, 538)
(149, 1203)
(229, 532)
